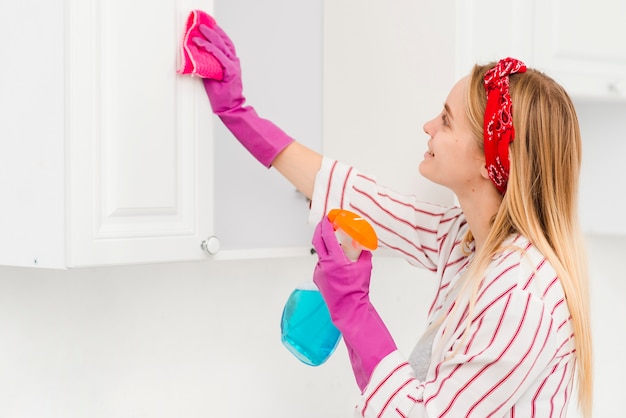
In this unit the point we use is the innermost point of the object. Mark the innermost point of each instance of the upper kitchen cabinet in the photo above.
(106, 152)
(578, 43)
(487, 30)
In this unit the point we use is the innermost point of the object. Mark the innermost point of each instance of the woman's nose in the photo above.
(429, 128)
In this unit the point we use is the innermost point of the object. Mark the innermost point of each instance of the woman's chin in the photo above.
(423, 169)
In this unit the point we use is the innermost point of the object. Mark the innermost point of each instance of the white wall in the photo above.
(203, 339)
(602, 205)
(608, 288)
(175, 340)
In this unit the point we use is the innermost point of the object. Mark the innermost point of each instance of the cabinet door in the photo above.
(32, 178)
(138, 136)
(488, 30)
(580, 43)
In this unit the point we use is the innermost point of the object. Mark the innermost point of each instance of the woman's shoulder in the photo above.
(521, 267)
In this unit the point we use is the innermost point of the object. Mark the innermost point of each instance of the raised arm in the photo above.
(262, 138)
(299, 165)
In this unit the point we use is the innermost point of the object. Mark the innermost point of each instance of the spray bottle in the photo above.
(306, 328)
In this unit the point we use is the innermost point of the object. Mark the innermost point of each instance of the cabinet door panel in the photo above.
(488, 30)
(578, 42)
(139, 136)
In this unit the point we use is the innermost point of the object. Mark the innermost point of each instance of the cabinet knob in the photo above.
(211, 245)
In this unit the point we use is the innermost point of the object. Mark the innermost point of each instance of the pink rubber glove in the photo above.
(344, 284)
(260, 137)
(193, 61)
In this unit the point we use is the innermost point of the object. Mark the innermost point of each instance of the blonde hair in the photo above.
(541, 198)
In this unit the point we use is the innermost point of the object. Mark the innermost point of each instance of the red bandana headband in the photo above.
(499, 131)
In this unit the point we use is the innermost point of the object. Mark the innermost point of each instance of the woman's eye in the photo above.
(444, 119)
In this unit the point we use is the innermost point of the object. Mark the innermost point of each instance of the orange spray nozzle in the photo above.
(355, 226)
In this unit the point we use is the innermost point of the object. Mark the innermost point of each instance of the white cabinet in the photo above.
(106, 152)
(108, 155)
(138, 136)
(487, 30)
(578, 43)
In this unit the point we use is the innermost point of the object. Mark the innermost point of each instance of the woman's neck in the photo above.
(479, 207)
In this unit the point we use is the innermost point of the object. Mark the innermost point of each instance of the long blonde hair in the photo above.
(541, 198)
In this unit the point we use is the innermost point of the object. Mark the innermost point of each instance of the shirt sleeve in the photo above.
(508, 346)
(425, 234)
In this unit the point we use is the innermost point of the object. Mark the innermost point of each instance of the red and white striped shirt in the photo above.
(517, 360)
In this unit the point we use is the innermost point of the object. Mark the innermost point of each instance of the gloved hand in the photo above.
(260, 137)
(344, 284)
(226, 94)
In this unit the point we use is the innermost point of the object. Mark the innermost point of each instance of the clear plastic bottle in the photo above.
(306, 327)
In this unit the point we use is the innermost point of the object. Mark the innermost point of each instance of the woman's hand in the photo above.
(260, 137)
(226, 94)
(344, 284)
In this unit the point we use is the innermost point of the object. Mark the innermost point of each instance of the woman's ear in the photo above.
(484, 173)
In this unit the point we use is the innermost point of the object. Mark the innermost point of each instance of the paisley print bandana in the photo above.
(498, 130)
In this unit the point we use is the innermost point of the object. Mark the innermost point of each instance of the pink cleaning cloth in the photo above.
(196, 61)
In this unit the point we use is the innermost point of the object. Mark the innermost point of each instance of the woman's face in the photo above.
(453, 158)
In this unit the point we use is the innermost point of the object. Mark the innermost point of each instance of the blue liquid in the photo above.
(306, 328)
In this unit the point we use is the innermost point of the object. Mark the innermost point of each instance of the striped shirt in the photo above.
(516, 360)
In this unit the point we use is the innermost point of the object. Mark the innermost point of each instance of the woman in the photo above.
(510, 323)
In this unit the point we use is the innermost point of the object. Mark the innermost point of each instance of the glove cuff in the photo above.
(367, 339)
(260, 137)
